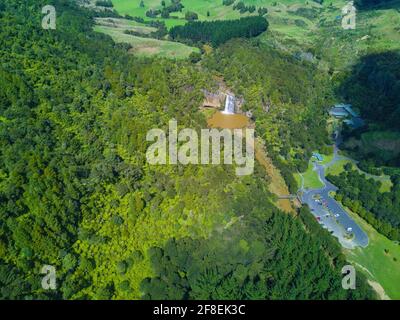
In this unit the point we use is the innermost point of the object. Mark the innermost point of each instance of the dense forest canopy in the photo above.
(360, 194)
(250, 262)
(67, 143)
(219, 32)
(76, 191)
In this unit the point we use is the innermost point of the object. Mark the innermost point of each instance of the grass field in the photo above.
(296, 25)
(148, 46)
(124, 24)
(321, 29)
(311, 179)
(282, 16)
(141, 46)
(378, 265)
(327, 159)
(215, 9)
(337, 168)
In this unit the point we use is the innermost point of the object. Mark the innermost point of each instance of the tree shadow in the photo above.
(373, 87)
(365, 5)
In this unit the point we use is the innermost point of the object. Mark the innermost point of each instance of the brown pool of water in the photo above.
(228, 121)
(239, 121)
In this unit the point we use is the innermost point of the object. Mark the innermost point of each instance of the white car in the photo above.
(337, 215)
(349, 229)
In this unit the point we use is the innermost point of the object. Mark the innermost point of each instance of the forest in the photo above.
(362, 196)
(284, 95)
(76, 191)
(256, 267)
(220, 31)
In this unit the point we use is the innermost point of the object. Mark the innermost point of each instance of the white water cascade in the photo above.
(229, 105)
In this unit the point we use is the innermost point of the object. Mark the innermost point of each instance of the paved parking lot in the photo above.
(331, 214)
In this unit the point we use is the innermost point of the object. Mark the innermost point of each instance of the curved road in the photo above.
(330, 213)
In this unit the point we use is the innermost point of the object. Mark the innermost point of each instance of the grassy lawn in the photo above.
(377, 264)
(327, 158)
(337, 168)
(215, 8)
(148, 46)
(311, 180)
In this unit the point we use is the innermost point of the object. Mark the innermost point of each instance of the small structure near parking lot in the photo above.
(319, 157)
(346, 113)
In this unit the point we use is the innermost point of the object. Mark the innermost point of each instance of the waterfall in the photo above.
(229, 105)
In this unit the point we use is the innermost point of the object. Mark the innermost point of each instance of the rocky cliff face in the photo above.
(217, 100)
(213, 100)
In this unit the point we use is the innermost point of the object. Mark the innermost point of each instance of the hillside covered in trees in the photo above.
(283, 95)
(77, 193)
(258, 266)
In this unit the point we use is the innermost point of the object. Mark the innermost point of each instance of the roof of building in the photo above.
(339, 112)
(355, 122)
(317, 155)
(350, 110)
